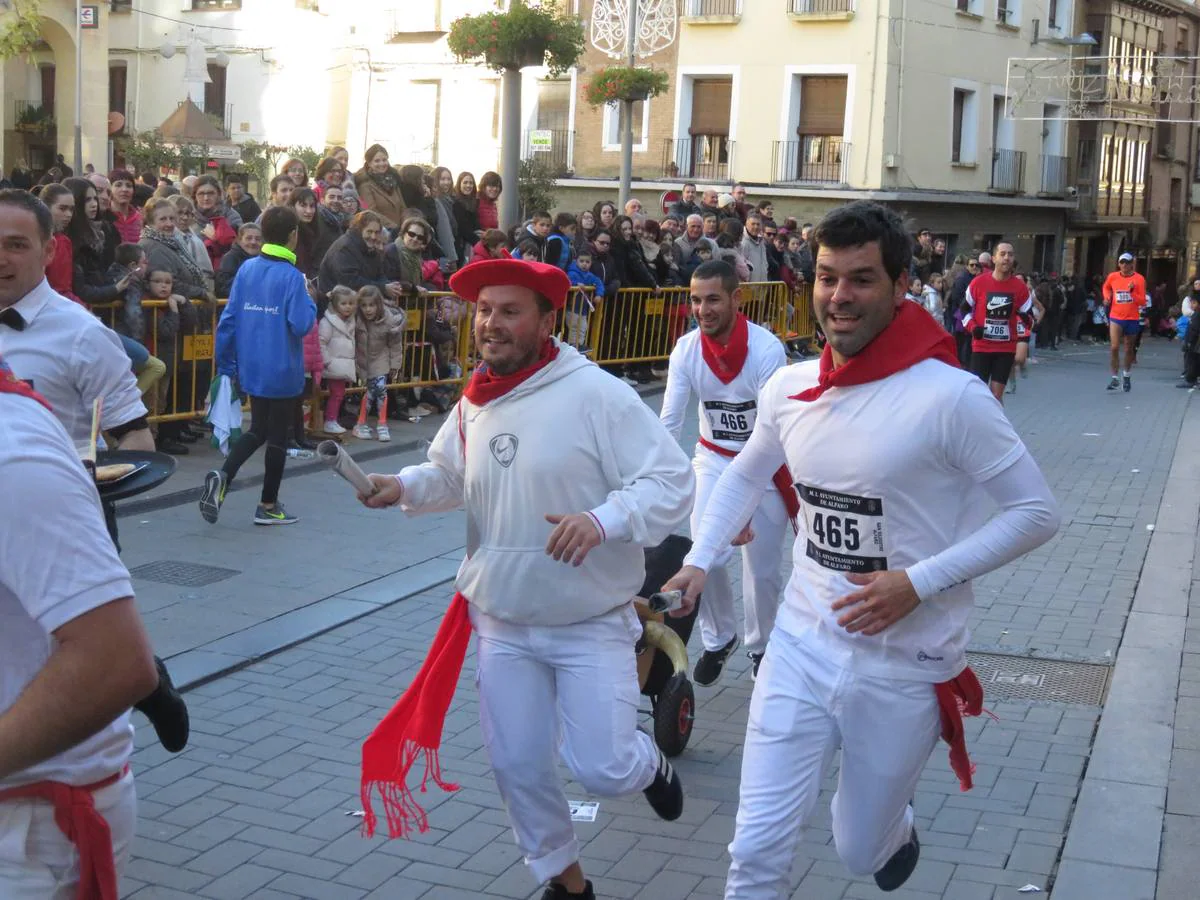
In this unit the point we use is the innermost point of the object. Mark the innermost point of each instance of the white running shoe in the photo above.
(362, 431)
(334, 428)
(383, 433)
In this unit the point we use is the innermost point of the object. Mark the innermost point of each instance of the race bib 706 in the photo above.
(846, 533)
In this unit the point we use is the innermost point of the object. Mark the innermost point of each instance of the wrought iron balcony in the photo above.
(704, 156)
(1054, 175)
(814, 159)
(1008, 171)
(554, 147)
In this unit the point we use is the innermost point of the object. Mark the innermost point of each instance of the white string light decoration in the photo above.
(657, 26)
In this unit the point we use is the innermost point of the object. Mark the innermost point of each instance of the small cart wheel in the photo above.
(673, 715)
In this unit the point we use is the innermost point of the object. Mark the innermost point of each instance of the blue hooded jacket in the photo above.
(260, 337)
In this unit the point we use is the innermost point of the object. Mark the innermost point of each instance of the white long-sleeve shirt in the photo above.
(900, 473)
(569, 439)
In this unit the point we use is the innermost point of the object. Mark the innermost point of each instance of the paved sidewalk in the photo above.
(256, 807)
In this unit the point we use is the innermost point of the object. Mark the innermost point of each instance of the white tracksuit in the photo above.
(727, 414)
(556, 643)
(899, 473)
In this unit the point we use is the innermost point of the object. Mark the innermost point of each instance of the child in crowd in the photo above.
(528, 250)
(379, 358)
(493, 245)
(129, 266)
(580, 307)
(337, 352)
(703, 252)
(169, 323)
(915, 289)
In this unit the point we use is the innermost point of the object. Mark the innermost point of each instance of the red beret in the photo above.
(549, 281)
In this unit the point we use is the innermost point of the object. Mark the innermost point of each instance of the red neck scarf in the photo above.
(726, 360)
(485, 386)
(11, 384)
(912, 337)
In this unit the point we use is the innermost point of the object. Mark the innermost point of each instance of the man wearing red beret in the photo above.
(566, 475)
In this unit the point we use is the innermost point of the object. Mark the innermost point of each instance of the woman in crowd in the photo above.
(403, 258)
(94, 242)
(606, 214)
(447, 225)
(490, 187)
(659, 254)
(585, 230)
(631, 260)
(379, 187)
(296, 170)
(329, 171)
(217, 222)
(466, 214)
(188, 233)
(356, 259)
(20, 176)
(164, 250)
(60, 269)
(342, 155)
(316, 235)
(249, 244)
(126, 217)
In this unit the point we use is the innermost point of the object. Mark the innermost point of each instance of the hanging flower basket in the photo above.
(522, 36)
(625, 83)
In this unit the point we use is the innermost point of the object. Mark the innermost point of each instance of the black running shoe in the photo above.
(1126, 384)
(755, 661)
(167, 711)
(897, 870)
(216, 483)
(560, 892)
(665, 792)
(712, 663)
(1114, 383)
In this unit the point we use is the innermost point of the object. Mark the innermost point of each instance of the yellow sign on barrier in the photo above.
(197, 347)
(654, 306)
(413, 320)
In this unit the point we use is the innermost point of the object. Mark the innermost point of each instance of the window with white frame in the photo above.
(611, 137)
(964, 125)
(973, 7)
(1008, 12)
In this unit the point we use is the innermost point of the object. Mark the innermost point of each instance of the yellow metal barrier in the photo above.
(638, 325)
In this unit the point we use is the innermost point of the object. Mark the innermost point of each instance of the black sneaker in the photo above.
(215, 484)
(167, 711)
(276, 516)
(1114, 383)
(712, 663)
(1126, 384)
(560, 892)
(755, 661)
(897, 870)
(665, 793)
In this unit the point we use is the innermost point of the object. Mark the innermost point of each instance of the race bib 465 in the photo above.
(845, 532)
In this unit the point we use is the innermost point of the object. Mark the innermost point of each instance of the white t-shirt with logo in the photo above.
(727, 411)
(57, 562)
(888, 475)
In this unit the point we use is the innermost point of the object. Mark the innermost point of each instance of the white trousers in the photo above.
(37, 862)
(570, 688)
(762, 562)
(803, 707)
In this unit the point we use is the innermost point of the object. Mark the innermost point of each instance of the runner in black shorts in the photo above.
(993, 368)
(999, 303)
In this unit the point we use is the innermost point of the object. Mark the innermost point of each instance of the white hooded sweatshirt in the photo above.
(569, 439)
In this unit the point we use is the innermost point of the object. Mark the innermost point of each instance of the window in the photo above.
(117, 89)
(611, 138)
(1052, 14)
(964, 126)
(214, 93)
(554, 105)
(47, 76)
(201, 5)
(970, 7)
(1008, 12)
(1043, 254)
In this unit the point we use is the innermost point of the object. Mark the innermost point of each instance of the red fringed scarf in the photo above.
(486, 386)
(912, 337)
(11, 384)
(726, 360)
(413, 727)
(959, 696)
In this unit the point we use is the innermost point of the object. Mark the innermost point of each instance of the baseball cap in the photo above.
(1125, 257)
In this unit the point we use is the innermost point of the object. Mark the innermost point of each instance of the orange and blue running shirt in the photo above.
(1125, 295)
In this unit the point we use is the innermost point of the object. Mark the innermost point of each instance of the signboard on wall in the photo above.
(89, 17)
(541, 141)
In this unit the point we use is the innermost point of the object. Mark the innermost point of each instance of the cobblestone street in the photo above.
(262, 804)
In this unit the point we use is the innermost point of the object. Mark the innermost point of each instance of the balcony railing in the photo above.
(819, 7)
(1116, 201)
(555, 148)
(705, 156)
(1008, 171)
(814, 159)
(712, 9)
(1054, 175)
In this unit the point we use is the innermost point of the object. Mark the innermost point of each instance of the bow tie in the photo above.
(12, 319)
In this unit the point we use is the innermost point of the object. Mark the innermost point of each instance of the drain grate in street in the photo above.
(1028, 678)
(182, 574)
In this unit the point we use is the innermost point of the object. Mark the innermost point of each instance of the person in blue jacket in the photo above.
(260, 344)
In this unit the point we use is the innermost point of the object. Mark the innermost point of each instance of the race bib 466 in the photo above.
(845, 532)
(730, 421)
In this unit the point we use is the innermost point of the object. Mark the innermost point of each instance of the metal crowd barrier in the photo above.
(638, 325)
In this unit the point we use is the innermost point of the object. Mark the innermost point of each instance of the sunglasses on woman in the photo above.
(417, 236)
